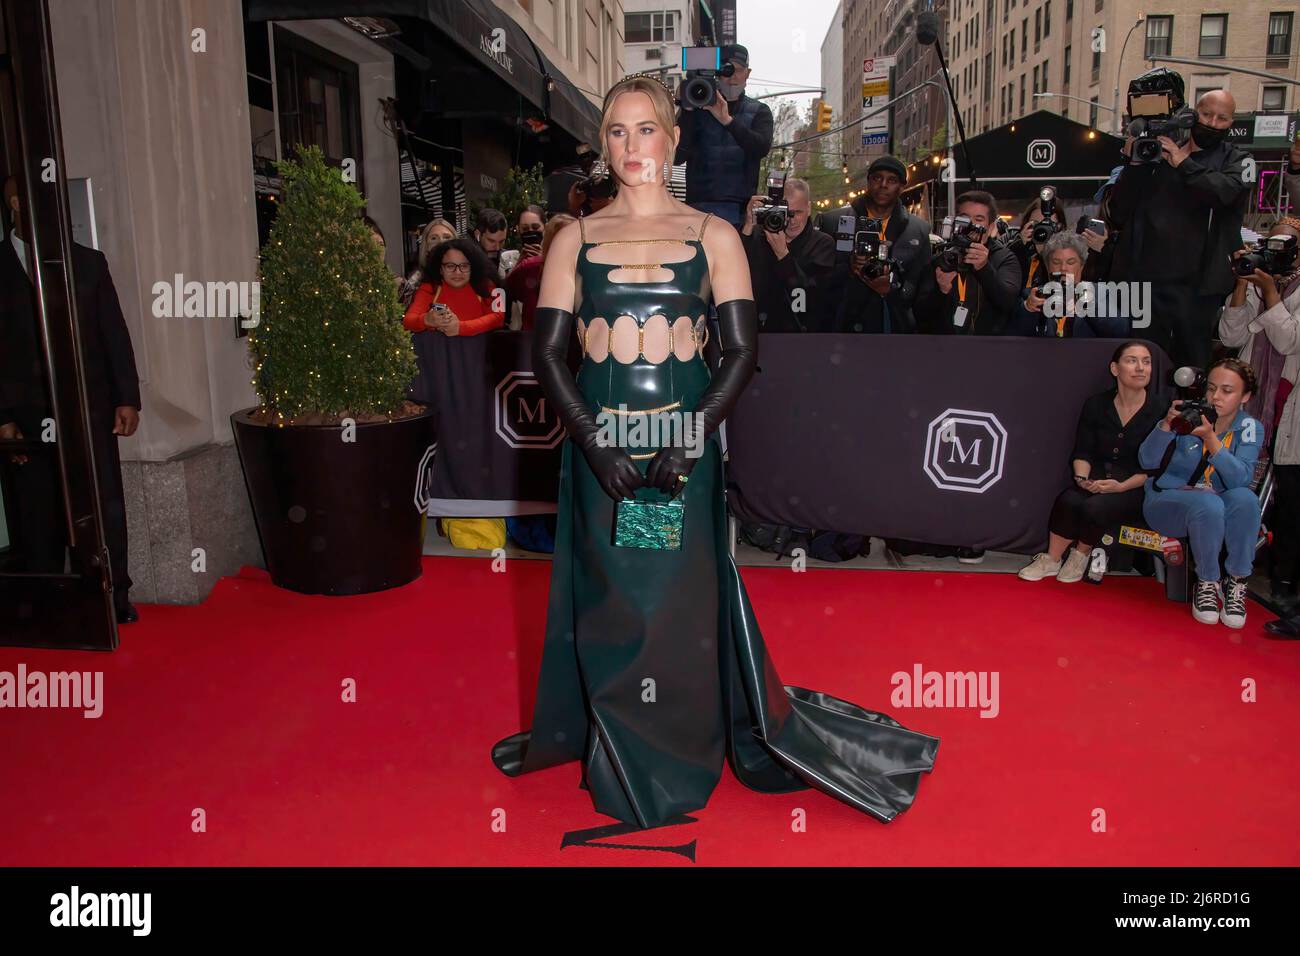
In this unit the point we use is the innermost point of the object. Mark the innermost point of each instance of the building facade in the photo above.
(1075, 57)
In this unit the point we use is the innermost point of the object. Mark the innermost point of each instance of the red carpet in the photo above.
(1111, 700)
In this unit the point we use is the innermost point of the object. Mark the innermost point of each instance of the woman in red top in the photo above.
(462, 302)
(525, 280)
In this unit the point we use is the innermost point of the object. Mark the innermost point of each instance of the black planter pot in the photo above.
(336, 517)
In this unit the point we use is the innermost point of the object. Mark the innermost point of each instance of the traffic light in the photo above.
(823, 116)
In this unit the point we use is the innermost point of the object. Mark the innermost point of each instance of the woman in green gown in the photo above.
(653, 668)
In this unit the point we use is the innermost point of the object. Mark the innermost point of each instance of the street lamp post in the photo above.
(1067, 96)
(1116, 115)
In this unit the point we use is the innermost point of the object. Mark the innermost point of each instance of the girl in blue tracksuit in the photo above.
(1204, 493)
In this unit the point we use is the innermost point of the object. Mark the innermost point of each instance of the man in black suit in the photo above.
(112, 393)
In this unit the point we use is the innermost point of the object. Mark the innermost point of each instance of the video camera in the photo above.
(1276, 255)
(702, 65)
(959, 234)
(1191, 387)
(1155, 102)
(774, 214)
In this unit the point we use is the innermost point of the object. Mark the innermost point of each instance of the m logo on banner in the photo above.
(523, 419)
(1041, 154)
(965, 450)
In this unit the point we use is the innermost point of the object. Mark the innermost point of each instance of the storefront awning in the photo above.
(490, 36)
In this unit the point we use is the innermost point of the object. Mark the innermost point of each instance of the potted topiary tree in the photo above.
(331, 454)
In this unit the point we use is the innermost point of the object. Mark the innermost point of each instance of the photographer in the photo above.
(1054, 306)
(723, 144)
(1202, 489)
(1262, 320)
(883, 304)
(788, 267)
(977, 297)
(1180, 219)
(1030, 238)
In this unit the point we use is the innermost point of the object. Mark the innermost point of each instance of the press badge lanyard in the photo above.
(1033, 267)
(960, 313)
(883, 226)
(1227, 443)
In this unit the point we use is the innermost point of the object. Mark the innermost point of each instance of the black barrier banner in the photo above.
(948, 440)
(498, 442)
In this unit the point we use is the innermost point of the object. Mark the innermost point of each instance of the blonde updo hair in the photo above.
(662, 100)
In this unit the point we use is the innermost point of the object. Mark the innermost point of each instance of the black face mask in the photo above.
(1207, 137)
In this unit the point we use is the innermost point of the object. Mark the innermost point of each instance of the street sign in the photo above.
(876, 91)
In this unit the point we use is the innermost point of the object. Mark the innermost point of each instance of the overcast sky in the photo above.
(784, 38)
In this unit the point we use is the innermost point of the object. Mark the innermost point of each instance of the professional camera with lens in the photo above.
(1046, 227)
(959, 234)
(1276, 255)
(702, 66)
(1191, 389)
(861, 236)
(1155, 102)
(774, 214)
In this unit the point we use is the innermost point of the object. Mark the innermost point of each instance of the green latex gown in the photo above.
(653, 667)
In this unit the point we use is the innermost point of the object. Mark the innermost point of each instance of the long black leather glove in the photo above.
(614, 469)
(738, 329)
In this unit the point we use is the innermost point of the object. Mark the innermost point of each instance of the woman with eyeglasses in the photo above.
(456, 297)
(437, 231)
(1107, 488)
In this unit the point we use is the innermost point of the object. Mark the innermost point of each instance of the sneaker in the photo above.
(969, 556)
(1205, 602)
(1042, 566)
(1234, 602)
(1075, 564)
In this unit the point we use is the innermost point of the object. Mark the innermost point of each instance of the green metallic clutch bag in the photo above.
(640, 523)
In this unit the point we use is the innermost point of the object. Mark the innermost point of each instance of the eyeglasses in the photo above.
(455, 267)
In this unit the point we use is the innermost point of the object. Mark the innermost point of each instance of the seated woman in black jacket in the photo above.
(1107, 488)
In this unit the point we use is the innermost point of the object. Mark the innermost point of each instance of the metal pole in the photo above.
(1224, 68)
(952, 160)
(1078, 98)
(1115, 113)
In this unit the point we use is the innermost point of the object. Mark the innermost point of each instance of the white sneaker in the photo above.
(1042, 566)
(1234, 602)
(1205, 602)
(1072, 571)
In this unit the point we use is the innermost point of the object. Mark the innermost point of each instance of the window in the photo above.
(1274, 98)
(319, 97)
(1096, 65)
(1065, 72)
(1069, 10)
(1092, 113)
(1035, 80)
(1046, 65)
(1038, 28)
(1096, 8)
(1024, 38)
(1022, 93)
(1006, 10)
(1047, 19)
(650, 27)
(988, 76)
(1004, 49)
(1279, 34)
(1160, 31)
(1013, 46)
(1214, 34)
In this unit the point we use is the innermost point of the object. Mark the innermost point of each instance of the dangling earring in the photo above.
(668, 172)
(600, 169)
